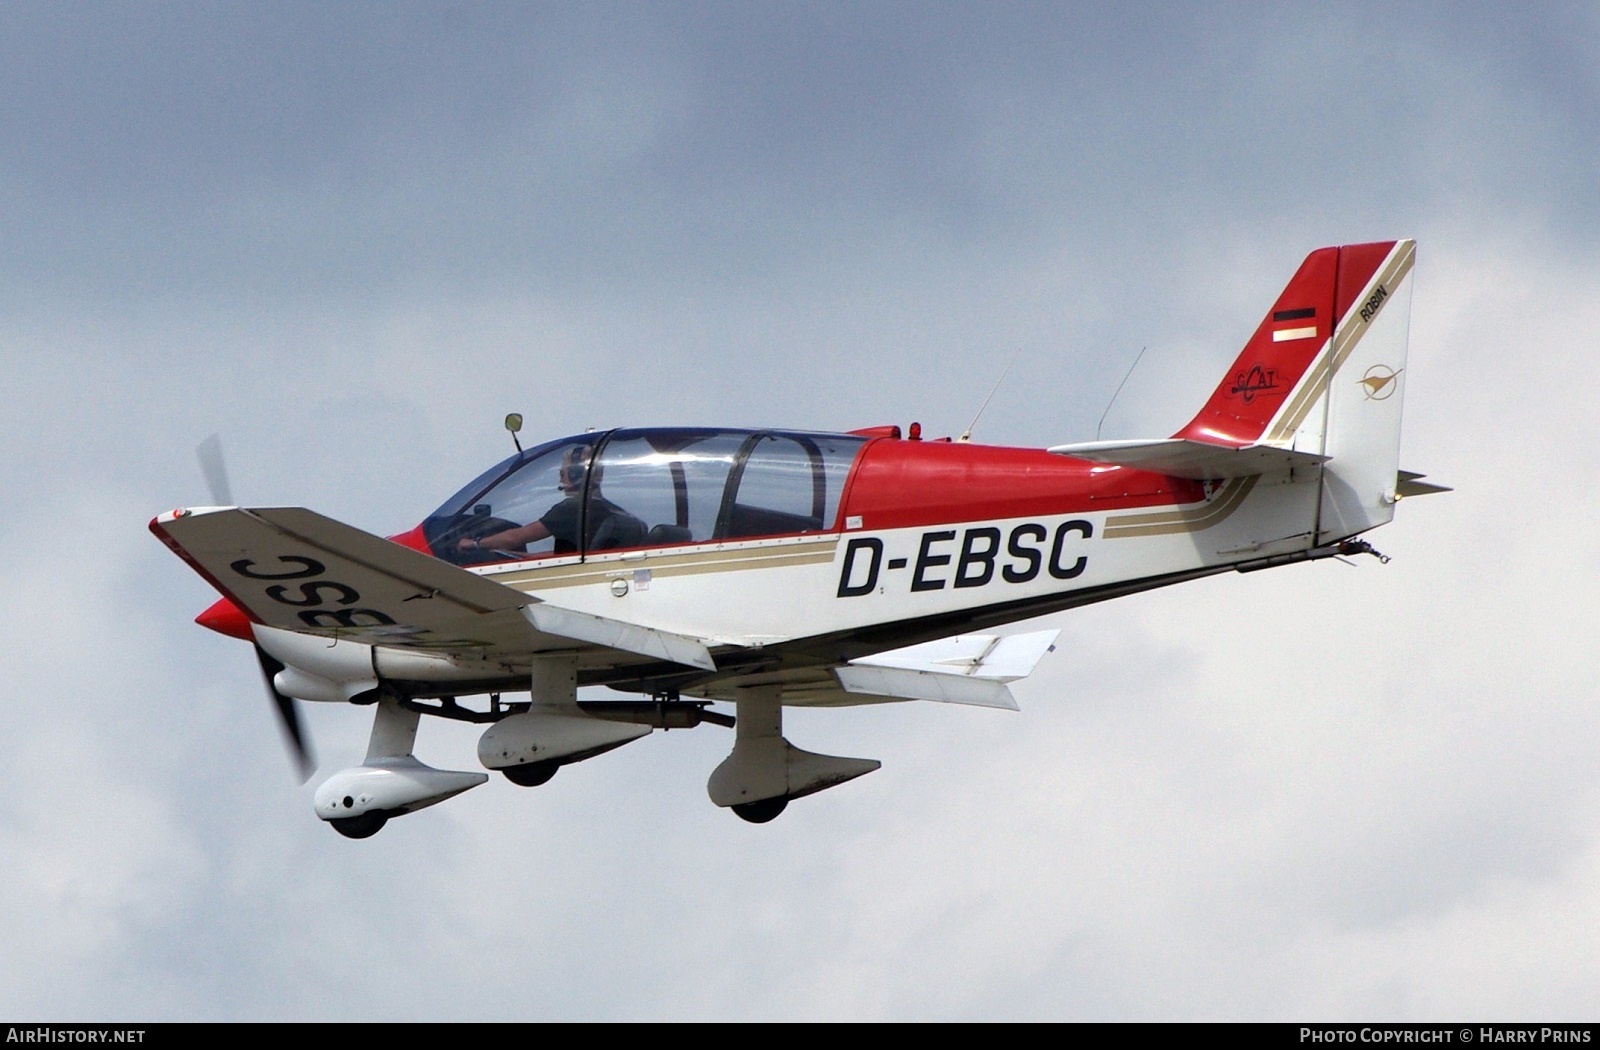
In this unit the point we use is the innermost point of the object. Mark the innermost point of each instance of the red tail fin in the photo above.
(1278, 356)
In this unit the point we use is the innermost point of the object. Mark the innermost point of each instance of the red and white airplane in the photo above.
(773, 568)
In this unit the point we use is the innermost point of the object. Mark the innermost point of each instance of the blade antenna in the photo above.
(966, 435)
(1114, 393)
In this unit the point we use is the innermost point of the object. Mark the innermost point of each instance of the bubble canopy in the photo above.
(660, 487)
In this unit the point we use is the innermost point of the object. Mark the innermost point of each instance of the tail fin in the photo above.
(1323, 375)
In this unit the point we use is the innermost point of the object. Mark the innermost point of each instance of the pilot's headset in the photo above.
(574, 469)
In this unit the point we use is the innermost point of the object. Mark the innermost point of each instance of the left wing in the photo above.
(296, 570)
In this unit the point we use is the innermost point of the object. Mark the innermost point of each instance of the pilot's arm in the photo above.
(561, 521)
(506, 540)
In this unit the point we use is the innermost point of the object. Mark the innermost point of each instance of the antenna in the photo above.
(1114, 393)
(966, 435)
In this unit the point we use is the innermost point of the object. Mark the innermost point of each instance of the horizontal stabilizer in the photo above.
(1411, 484)
(1195, 460)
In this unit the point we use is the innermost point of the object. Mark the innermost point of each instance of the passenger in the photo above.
(564, 520)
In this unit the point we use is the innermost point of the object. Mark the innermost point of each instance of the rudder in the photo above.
(1365, 389)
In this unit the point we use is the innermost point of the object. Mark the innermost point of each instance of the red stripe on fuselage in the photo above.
(906, 484)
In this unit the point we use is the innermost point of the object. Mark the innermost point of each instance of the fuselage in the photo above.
(760, 538)
(764, 537)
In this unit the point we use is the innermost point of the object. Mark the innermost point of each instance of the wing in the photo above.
(296, 570)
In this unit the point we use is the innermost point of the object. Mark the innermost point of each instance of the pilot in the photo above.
(564, 520)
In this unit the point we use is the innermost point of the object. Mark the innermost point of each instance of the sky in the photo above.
(349, 238)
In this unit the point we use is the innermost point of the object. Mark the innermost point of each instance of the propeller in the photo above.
(215, 470)
(294, 737)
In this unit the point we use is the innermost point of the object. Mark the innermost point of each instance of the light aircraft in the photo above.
(774, 568)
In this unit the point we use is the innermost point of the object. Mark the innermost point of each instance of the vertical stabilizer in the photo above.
(1323, 374)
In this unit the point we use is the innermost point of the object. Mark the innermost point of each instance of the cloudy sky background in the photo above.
(351, 237)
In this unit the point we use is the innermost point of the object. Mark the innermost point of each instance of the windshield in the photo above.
(540, 484)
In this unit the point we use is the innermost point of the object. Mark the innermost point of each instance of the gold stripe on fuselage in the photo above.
(1190, 518)
(721, 557)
